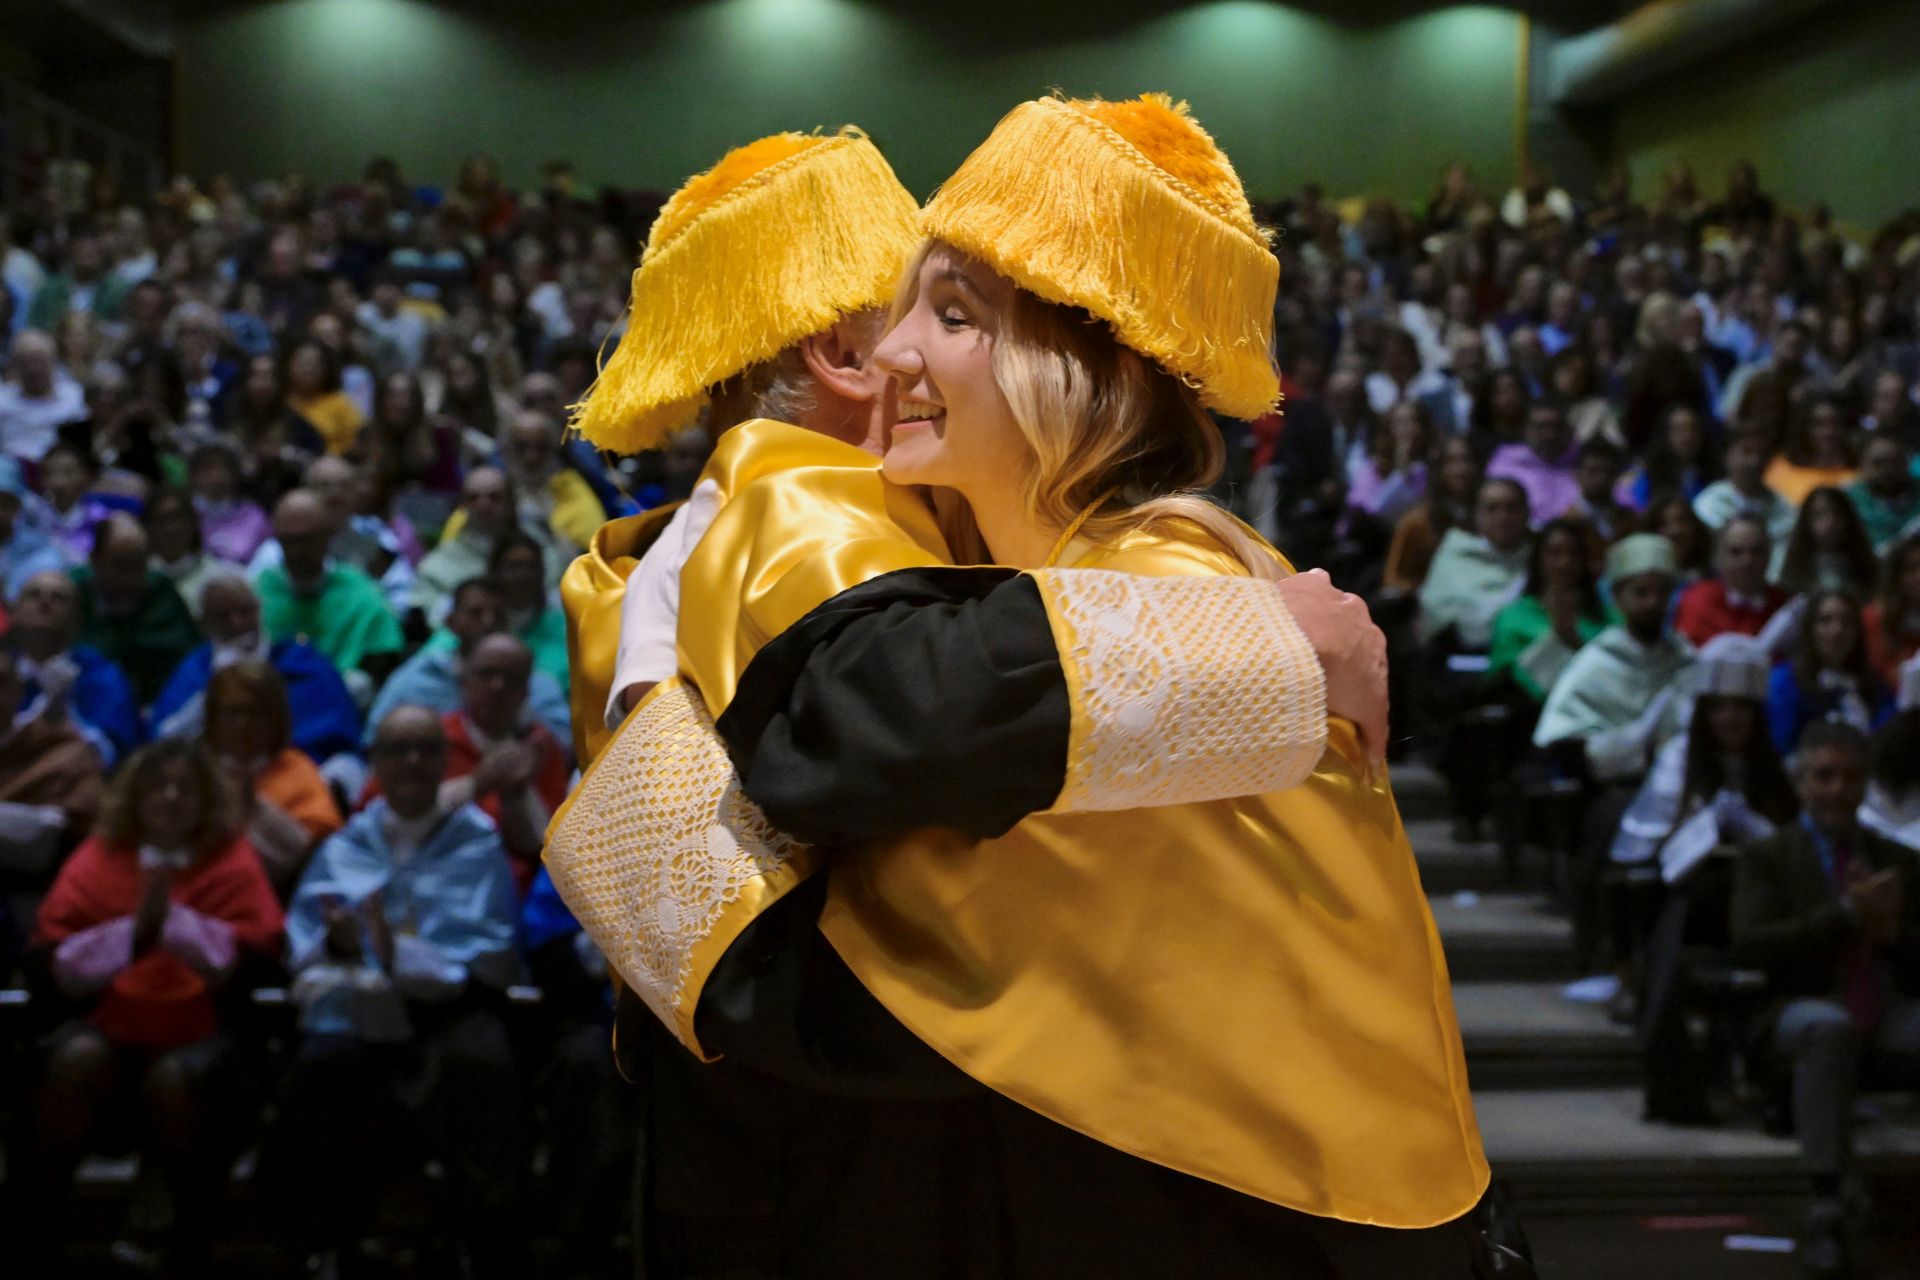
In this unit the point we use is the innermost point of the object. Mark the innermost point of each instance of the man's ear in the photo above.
(841, 359)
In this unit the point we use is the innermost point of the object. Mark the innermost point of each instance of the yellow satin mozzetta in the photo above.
(778, 551)
(1249, 991)
(763, 564)
(591, 593)
(656, 850)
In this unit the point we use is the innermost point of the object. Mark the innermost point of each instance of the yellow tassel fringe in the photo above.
(1130, 211)
(778, 241)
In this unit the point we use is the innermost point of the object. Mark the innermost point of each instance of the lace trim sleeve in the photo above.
(663, 858)
(1185, 689)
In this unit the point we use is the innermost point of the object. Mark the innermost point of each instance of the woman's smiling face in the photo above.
(955, 427)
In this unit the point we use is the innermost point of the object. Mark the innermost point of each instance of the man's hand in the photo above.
(1876, 902)
(1352, 652)
(373, 915)
(507, 767)
(631, 695)
(343, 929)
(57, 677)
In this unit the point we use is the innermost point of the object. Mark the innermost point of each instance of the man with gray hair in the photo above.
(37, 398)
(326, 723)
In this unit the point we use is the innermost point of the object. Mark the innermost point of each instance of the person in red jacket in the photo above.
(1739, 598)
(148, 924)
(499, 755)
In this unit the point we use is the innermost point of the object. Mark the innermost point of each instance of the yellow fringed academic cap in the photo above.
(778, 241)
(1129, 210)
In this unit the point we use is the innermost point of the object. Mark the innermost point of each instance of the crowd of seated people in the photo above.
(1630, 480)
(285, 495)
(1651, 587)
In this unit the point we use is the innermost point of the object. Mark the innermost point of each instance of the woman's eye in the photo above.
(952, 320)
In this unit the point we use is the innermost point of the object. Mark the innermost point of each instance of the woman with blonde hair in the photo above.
(1171, 995)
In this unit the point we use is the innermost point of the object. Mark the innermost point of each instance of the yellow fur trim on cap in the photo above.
(1129, 210)
(777, 242)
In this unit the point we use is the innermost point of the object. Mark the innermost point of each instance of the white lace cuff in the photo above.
(1185, 689)
(663, 858)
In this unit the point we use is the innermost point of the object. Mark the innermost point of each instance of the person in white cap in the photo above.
(1623, 693)
(1713, 788)
(1718, 782)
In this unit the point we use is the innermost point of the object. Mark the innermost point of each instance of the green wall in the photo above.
(647, 99)
(1827, 110)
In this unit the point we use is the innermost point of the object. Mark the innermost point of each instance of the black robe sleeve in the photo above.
(926, 697)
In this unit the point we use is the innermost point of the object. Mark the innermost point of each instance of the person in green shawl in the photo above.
(1474, 574)
(130, 611)
(334, 607)
(518, 567)
(1886, 495)
(1559, 609)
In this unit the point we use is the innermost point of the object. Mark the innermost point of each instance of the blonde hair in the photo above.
(1104, 425)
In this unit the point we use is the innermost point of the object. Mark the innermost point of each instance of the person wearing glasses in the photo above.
(401, 937)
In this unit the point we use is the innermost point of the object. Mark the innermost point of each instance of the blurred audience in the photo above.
(1831, 911)
(1708, 393)
(401, 926)
(287, 805)
(1738, 598)
(146, 935)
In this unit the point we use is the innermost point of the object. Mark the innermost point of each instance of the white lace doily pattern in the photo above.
(656, 843)
(1186, 689)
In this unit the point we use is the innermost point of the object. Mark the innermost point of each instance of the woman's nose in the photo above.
(896, 358)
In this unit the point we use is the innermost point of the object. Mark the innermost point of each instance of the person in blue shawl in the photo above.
(326, 721)
(431, 677)
(60, 675)
(401, 937)
(24, 548)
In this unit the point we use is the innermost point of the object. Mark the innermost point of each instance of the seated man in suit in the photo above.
(1832, 911)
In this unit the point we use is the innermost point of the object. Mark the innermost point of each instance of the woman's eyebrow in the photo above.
(955, 276)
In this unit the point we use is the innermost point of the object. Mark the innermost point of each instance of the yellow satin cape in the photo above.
(767, 560)
(773, 553)
(1249, 991)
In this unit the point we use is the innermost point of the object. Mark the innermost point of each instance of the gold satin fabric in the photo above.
(591, 593)
(766, 561)
(774, 552)
(778, 551)
(1249, 991)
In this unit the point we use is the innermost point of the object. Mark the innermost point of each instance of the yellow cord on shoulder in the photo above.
(1073, 529)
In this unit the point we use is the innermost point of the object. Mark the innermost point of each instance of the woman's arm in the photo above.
(922, 698)
(939, 697)
(281, 839)
(86, 961)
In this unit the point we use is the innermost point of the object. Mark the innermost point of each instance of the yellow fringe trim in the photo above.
(776, 242)
(1156, 239)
